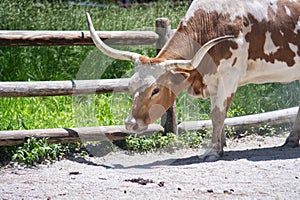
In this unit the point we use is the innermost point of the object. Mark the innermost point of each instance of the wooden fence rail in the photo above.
(279, 117)
(84, 134)
(75, 38)
(59, 88)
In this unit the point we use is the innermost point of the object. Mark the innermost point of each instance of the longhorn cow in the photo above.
(218, 46)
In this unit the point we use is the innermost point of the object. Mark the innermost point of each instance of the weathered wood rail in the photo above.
(285, 116)
(75, 38)
(84, 134)
(60, 88)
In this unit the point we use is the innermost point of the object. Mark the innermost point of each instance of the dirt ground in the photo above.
(251, 168)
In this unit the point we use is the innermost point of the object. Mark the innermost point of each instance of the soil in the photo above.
(251, 168)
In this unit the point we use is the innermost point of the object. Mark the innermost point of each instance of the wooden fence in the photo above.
(75, 87)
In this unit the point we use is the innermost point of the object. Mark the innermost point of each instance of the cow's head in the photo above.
(156, 81)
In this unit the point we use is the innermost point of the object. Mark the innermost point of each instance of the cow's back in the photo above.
(267, 32)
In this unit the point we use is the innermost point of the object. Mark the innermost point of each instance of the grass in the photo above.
(67, 63)
(35, 151)
(158, 141)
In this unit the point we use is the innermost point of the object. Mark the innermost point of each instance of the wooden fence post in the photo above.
(163, 29)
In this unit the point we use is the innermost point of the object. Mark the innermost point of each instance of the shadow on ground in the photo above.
(255, 155)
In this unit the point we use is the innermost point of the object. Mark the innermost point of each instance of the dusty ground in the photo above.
(252, 168)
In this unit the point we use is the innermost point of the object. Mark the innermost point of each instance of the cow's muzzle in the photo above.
(134, 125)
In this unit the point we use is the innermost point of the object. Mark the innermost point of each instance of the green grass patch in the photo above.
(170, 141)
(36, 151)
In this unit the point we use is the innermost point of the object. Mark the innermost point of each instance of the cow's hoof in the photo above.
(210, 155)
(292, 140)
(290, 143)
(209, 158)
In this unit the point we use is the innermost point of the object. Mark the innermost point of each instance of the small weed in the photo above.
(266, 130)
(192, 139)
(146, 144)
(158, 141)
(35, 151)
(263, 130)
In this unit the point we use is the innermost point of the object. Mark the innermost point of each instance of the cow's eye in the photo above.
(155, 91)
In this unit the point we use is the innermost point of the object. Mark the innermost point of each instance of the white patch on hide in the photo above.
(136, 95)
(297, 28)
(287, 10)
(282, 33)
(294, 48)
(266, 72)
(273, 5)
(257, 8)
(269, 46)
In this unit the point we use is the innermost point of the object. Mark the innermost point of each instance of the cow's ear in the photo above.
(178, 65)
(145, 60)
(178, 76)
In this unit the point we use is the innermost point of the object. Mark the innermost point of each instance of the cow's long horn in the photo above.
(114, 53)
(192, 64)
(206, 47)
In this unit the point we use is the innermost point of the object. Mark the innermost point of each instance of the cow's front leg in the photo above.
(293, 139)
(215, 149)
(221, 98)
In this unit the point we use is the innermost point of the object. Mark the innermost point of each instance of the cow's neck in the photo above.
(181, 46)
(191, 34)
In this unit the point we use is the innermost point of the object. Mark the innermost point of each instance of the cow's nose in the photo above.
(131, 124)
